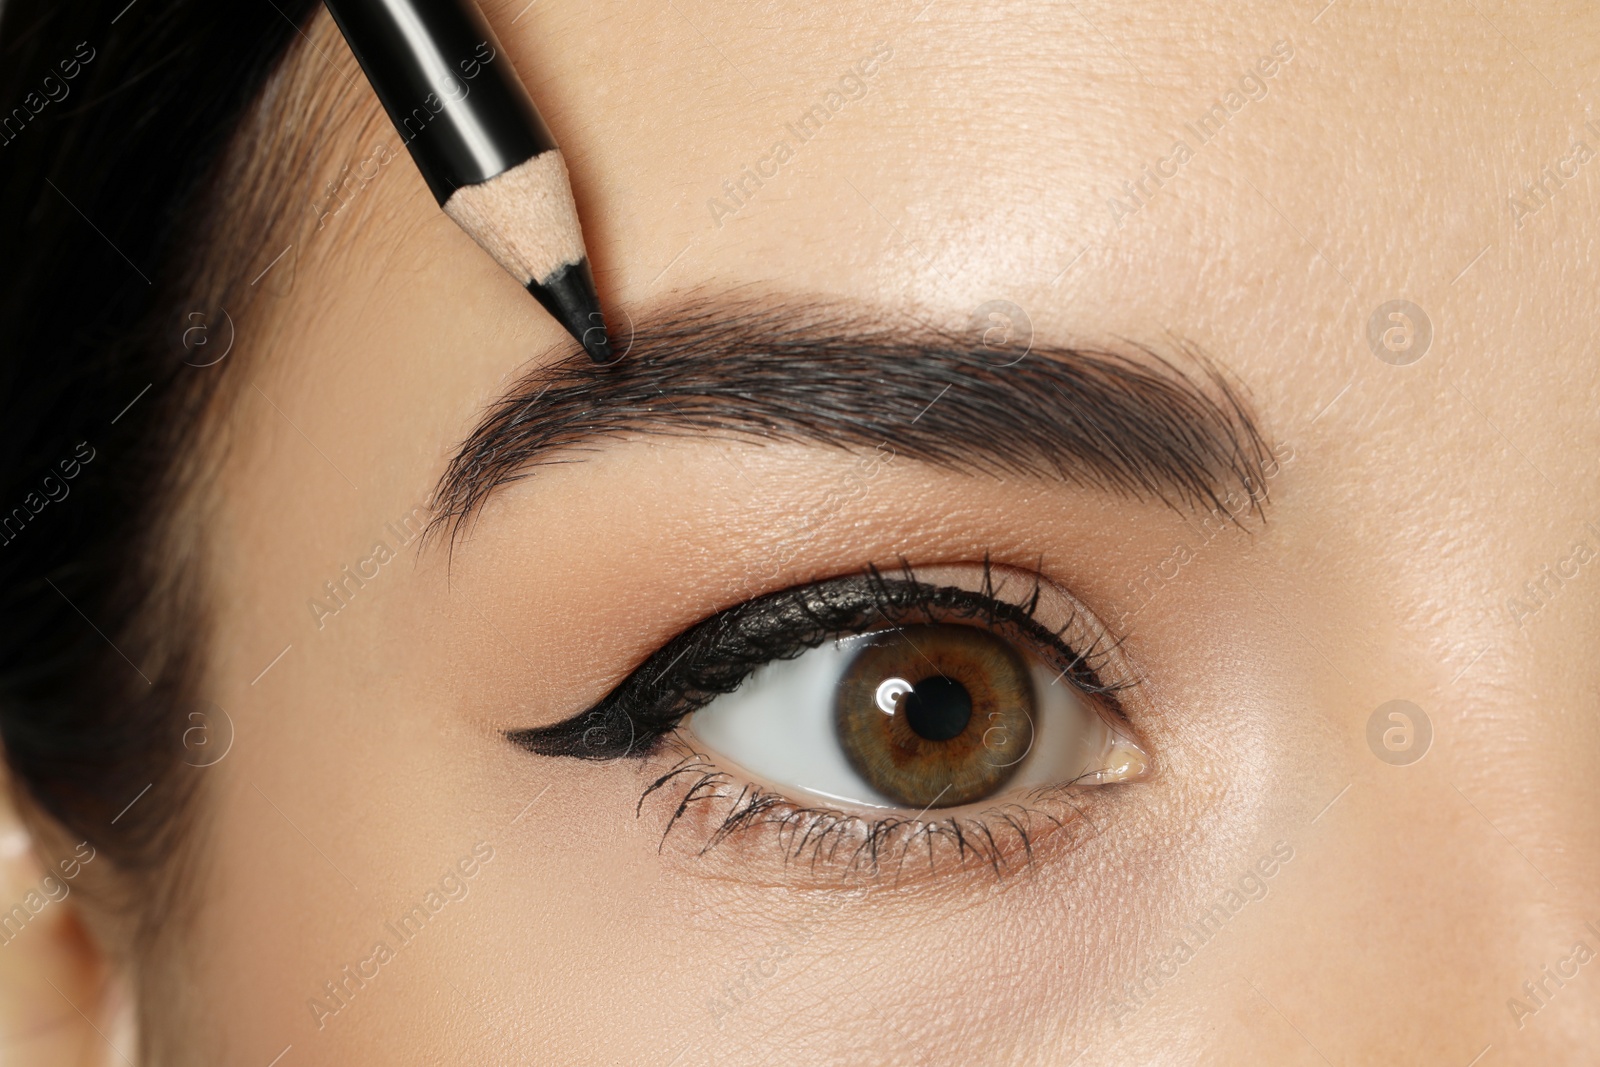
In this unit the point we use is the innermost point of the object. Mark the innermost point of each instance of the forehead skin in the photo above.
(1375, 165)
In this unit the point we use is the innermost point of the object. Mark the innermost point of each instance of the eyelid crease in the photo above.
(1132, 423)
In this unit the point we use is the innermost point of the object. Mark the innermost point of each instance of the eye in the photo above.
(848, 709)
(923, 716)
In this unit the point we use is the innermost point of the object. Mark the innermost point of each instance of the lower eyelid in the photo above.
(710, 813)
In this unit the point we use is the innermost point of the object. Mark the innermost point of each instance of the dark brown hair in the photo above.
(126, 132)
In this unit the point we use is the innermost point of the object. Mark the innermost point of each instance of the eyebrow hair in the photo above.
(1132, 423)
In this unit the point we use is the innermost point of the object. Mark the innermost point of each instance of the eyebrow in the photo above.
(1138, 422)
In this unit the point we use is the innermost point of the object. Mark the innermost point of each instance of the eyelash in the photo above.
(641, 717)
(878, 840)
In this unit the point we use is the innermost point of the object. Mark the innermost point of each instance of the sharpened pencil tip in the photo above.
(569, 295)
(599, 351)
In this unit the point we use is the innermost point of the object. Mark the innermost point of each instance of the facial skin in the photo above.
(1416, 900)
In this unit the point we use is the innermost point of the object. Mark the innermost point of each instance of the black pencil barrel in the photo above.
(448, 87)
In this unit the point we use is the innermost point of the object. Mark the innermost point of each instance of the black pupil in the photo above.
(937, 708)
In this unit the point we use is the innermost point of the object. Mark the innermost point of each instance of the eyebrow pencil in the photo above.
(481, 146)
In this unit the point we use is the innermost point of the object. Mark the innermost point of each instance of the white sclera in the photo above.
(778, 727)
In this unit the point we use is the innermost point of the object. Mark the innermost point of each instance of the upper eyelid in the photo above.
(565, 737)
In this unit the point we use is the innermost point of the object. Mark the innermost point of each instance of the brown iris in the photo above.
(935, 715)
